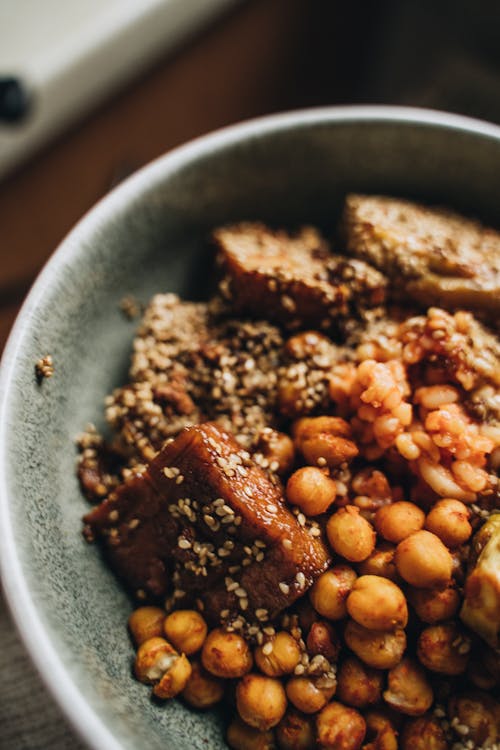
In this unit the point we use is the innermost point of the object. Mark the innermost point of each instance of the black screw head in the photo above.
(14, 100)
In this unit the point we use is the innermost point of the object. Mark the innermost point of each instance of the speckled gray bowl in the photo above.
(149, 235)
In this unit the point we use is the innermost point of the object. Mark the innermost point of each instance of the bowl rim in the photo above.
(87, 724)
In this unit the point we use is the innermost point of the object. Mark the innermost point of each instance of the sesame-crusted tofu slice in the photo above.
(293, 279)
(431, 254)
(206, 521)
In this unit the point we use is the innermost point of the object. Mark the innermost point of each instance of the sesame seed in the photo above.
(288, 303)
(134, 523)
(113, 515)
(259, 543)
(272, 508)
(240, 592)
(183, 543)
(267, 648)
(284, 587)
(232, 586)
(244, 604)
(259, 557)
(301, 579)
(287, 543)
(321, 461)
(179, 479)
(299, 669)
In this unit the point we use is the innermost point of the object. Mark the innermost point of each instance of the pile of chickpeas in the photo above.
(384, 695)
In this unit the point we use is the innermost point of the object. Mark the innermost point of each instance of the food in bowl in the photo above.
(301, 487)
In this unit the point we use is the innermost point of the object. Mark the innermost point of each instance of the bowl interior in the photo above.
(150, 236)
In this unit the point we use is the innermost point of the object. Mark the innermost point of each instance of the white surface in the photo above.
(72, 53)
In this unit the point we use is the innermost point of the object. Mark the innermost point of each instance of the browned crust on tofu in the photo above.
(293, 279)
(200, 510)
(434, 255)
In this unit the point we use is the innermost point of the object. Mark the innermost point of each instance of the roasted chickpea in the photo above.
(278, 656)
(308, 427)
(377, 649)
(372, 483)
(444, 648)
(186, 630)
(423, 560)
(295, 732)
(333, 449)
(261, 701)
(424, 733)
(449, 520)
(480, 713)
(202, 690)
(226, 654)
(380, 563)
(278, 449)
(306, 695)
(398, 520)
(340, 728)
(154, 657)
(377, 604)
(322, 640)
(326, 439)
(145, 623)
(330, 591)
(357, 684)
(242, 737)
(433, 605)
(350, 535)
(311, 489)
(408, 689)
(381, 732)
(174, 679)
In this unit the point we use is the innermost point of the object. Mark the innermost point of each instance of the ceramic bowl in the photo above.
(149, 235)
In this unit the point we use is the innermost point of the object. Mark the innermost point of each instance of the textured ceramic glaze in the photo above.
(149, 235)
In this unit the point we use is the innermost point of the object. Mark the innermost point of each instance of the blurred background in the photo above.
(90, 90)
